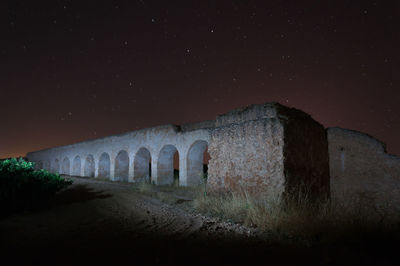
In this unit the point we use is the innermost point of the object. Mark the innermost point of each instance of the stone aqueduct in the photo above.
(131, 157)
(260, 148)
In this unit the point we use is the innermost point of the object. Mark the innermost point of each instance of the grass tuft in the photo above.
(300, 217)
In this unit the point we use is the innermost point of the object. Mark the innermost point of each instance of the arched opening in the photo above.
(142, 166)
(197, 163)
(76, 166)
(47, 165)
(89, 166)
(176, 168)
(104, 166)
(39, 165)
(121, 166)
(65, 166)
(56, 166)
(165, 165)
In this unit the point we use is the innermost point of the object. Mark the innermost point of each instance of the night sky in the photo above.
(77, 70)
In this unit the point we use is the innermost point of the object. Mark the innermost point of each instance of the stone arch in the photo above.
(46, 165)
(165, 165)
(76, 166)
(39, 165)
(142, 165)
(194, 163)
(65, 166)
(56, 166)
(121, 172)
(89, 166)
(104, 166)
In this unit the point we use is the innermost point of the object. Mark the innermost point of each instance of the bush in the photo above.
(19, 181)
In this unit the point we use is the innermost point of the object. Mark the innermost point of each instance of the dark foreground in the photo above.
(103, 223)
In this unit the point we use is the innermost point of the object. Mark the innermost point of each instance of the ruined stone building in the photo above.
(259, 149)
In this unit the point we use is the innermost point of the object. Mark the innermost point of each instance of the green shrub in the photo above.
(19, 181)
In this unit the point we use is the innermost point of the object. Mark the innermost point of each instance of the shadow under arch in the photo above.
(142, 165)
(165, 165)
(89, 166)
(104, 166)
(65, 166)
(195, 163)
(76, 166)
(56, 166)
(121, 172)
(39, 165)
(46, 165)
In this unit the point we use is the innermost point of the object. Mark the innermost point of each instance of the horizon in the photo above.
(127, 132)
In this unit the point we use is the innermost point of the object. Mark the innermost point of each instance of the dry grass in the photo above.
(300, 218)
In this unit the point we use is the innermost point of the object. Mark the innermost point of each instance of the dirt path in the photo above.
(97, 220)
(105, 223)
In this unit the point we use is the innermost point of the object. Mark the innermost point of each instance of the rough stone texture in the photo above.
(268, 149)
(305, 151)
(249, 113)
(361, 169)
(247, 156)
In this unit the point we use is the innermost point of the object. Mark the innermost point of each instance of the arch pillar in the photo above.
(96, 167)
(82, 165)
(154, 161)
(112, 167)
(131, 170)
(182, 171)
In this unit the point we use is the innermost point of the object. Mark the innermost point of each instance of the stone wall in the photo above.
(265, 148)
(268, 148)
(305, 152)
(127, 157)
(247, 156)
(361, 169)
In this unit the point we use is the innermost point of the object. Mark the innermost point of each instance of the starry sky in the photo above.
(77, 70)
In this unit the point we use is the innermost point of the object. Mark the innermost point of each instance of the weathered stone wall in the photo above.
(247, 156)
(268, 148)
(361, 169)
(305, 152)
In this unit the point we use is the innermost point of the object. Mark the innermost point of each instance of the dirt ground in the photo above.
(105, 223)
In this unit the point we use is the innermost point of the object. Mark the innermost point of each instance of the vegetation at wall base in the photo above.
(298, 221)
(20, 182)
